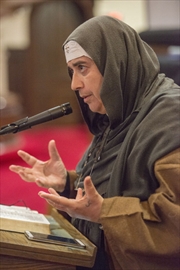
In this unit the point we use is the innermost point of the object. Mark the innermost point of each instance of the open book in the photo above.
(20, 219)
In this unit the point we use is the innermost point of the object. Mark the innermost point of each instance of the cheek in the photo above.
(97, 84)
(97, 89)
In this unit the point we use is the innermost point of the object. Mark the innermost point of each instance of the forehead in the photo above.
(79, 61)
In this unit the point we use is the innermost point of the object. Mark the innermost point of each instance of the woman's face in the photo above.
(87, 80)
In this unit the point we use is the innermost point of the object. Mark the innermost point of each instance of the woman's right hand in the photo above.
(51, 173)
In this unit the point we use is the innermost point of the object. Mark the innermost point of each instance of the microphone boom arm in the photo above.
(42, 117)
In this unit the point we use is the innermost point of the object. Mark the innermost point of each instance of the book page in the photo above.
(22, 214)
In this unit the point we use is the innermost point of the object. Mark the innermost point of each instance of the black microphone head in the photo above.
(67, 108)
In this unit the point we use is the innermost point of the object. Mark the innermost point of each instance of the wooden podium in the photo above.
(17, 252)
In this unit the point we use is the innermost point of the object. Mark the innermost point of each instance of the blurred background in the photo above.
(33, 74)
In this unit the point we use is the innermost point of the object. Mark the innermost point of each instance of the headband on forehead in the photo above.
(73, 50)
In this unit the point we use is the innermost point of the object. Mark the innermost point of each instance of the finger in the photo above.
(24, 173)
(53, 152)
(15, 168)
(50, 202)
(56, 205)
(44, 195)
(52, 191)
(79, 194)
(54, 198)
(30, 160)
(89, 187)
(40, 182)
(27, 175)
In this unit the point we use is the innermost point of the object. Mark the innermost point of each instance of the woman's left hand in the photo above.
(85, 206)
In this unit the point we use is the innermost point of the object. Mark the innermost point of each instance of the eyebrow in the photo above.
(79, 63)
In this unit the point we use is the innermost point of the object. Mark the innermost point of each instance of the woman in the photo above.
(127, 182)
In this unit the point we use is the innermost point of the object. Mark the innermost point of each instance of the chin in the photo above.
(97, 111)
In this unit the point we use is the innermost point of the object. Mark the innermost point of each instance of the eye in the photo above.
(82, 68)
(70, 72)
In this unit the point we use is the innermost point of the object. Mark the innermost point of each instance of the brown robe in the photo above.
(149, 235)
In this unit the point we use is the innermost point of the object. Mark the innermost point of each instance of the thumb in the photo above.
(53, 153)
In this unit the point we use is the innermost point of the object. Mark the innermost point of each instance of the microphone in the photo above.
(42, 117)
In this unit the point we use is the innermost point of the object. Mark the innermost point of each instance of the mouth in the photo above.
(85, 98)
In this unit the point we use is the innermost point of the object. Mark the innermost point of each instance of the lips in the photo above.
(85, 98)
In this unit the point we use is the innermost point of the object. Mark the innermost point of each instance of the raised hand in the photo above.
(85, 206)
(51, 173)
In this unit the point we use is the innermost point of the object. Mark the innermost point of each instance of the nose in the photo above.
(76, 82)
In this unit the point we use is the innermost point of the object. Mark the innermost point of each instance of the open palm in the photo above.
(51, 173)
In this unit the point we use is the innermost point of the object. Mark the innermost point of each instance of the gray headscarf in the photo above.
(129, 65)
